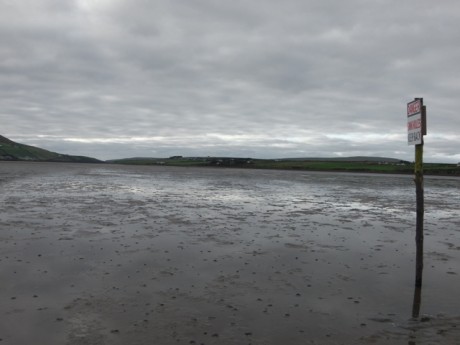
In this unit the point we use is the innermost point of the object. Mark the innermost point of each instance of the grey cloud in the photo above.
(261, 69)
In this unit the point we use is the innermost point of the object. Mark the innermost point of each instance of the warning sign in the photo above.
(414, 122)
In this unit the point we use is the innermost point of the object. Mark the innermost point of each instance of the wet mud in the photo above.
(104, 254)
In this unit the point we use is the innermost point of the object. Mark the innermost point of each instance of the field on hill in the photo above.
(398, 167)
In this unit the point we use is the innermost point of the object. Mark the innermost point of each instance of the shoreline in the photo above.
(454, 172)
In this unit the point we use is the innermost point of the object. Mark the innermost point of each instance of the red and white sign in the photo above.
(414, 107)
(414, 122)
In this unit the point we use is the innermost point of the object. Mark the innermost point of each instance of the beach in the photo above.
(110, 254)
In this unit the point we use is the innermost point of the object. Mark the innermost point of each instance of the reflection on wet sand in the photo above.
(415, 311)
(417, 302)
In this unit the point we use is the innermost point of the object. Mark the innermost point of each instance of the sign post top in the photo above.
(414, 107)
(415, 122)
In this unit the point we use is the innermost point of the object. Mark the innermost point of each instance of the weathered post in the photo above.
(416, 126)
(420, 209)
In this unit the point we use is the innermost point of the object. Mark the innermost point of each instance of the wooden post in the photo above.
(420, 213)
(418, 230)
(420, 208)
(416, 125)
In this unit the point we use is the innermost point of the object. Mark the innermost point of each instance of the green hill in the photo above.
(12, 151)
(344, 164)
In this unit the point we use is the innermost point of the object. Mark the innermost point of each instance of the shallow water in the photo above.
(105, 254)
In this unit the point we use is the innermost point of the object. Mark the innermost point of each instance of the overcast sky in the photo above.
(263, 79)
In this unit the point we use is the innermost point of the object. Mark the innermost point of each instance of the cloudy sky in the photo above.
(259, 78)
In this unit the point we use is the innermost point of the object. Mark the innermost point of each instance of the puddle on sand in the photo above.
(106, 254)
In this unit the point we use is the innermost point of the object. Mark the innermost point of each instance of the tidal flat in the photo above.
(108, 254)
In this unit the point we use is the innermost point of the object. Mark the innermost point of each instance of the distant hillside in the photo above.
(344, 164)
(12, 151)
(179, 160)
(347, 159)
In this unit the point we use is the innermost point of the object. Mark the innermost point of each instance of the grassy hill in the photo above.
(370, 164)
(12, 151)
(350, 164)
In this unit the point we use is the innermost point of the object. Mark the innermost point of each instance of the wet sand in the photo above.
(104, 254)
